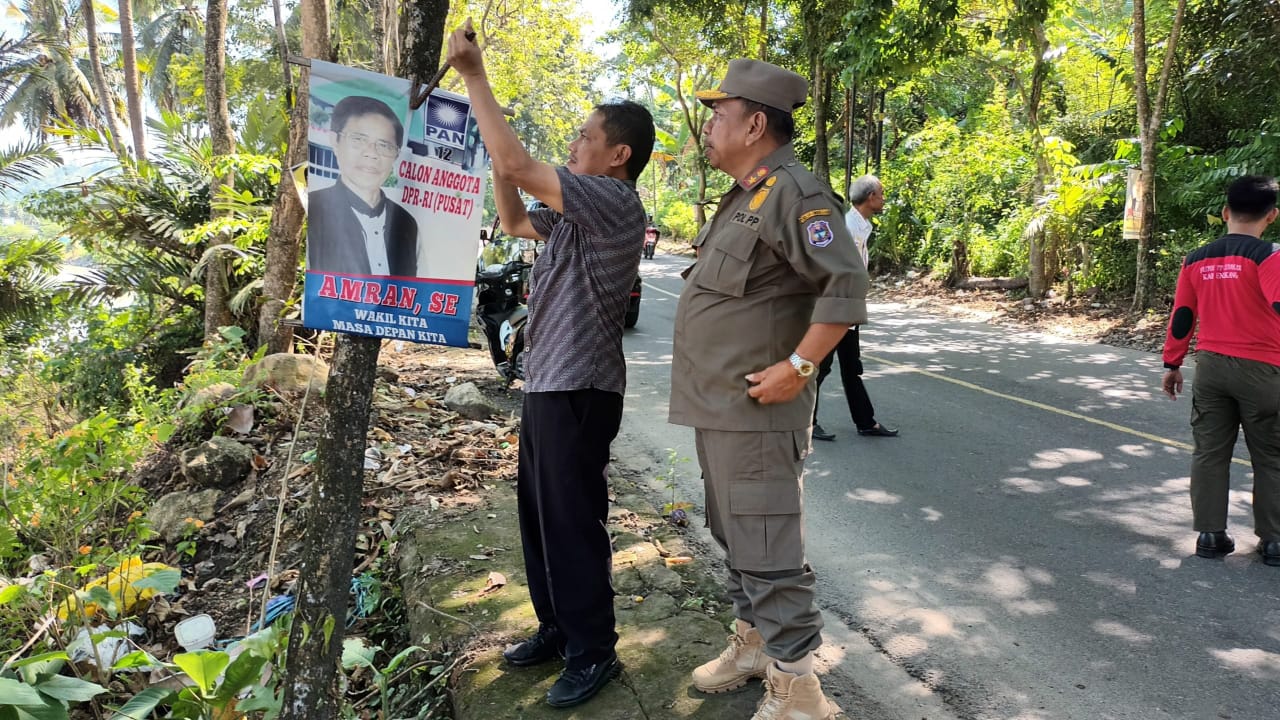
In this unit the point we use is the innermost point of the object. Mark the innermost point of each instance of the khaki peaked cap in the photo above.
(761, 82)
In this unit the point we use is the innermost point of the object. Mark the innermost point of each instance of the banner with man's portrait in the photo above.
(395, 199)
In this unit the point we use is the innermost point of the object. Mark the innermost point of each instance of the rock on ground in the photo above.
(219, 462)
(288, 373)
(467, 400)
(168, 516)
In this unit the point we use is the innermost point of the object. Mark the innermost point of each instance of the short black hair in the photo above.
(778, 123)
(629, 123)
(357, 105)
(1252, 197)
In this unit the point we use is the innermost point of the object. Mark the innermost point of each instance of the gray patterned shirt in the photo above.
(581, 284)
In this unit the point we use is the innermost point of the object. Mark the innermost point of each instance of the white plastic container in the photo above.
(195, 632)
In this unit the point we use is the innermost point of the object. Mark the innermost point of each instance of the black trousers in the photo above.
(563, 494)
(864, 415)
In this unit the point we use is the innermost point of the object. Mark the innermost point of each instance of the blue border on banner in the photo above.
(417, 310)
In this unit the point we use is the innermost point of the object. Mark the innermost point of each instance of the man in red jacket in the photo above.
(1232, 287)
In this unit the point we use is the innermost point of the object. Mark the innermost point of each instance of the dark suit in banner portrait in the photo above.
(352, 226)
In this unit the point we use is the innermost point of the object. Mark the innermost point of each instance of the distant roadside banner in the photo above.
(1134, 205)
(395, 199)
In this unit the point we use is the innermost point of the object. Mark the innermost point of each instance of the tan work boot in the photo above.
(793, 697)
(743, 660)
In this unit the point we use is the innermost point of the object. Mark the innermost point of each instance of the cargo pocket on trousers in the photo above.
(766, 532)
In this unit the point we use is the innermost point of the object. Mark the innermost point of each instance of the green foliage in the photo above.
(69, 494)
(36, 691)
(29, 287)
(92, 366)
(955, 184)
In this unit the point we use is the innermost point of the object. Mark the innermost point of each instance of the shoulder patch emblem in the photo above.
(770, 181)
(820, 212)
(820, 234)
(758, 199)
(755, 177)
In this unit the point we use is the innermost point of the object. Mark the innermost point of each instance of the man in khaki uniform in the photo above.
(776, 285)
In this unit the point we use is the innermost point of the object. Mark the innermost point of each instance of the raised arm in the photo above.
(511, 161)
(515, 219)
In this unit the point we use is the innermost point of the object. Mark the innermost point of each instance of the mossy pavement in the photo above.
(672, 614)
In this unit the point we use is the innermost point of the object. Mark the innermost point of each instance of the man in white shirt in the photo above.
(866, 195)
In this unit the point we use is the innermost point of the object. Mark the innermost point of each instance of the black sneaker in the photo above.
(577, 686)
(547, 644)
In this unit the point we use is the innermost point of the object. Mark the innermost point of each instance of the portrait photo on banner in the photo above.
(395, 201)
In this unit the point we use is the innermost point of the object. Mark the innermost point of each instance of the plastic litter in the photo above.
(196, 632)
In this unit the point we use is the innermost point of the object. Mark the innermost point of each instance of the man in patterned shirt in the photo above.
(574, 368)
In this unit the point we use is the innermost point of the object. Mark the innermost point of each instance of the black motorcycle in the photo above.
(502, 287)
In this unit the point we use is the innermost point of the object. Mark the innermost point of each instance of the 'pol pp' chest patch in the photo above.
(820, 234)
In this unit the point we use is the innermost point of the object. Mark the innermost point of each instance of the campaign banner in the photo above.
(395, 199)
(1134, 205)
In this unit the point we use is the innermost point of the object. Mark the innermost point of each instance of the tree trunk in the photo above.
(390, 13)
(1149, 116)
(764, 30)
(285, 235)
(850, 94)
(879, 129)
(1038, 283)
(821, 144)
(132, 89)
(310, 692)
(217, 293)
(332, 516)
(106, 99)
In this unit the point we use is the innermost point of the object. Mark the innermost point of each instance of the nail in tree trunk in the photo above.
(1149, 116)
(217, 293)
(285, 235)
(315, 643)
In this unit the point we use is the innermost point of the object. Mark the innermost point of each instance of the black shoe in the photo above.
(878, 430)
(820, 434)
(577, 686)
(1270, 552)
(547, 644)
(1217, 544)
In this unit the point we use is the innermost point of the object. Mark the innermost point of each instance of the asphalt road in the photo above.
(1024, 549)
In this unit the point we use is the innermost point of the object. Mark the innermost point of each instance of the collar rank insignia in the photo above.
(820, 234)
(758, 199)
(755, 177)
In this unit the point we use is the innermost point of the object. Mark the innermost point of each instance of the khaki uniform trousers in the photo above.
(754, 502)
(1229, 392)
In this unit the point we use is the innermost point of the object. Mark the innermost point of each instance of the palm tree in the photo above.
(132, 93)
(173, 32)
(21, 163)
(28, 281)
(41, 80)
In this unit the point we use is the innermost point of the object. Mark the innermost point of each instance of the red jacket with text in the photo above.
(1232, 287)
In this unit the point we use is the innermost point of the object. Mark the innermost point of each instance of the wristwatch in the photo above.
(803, 367)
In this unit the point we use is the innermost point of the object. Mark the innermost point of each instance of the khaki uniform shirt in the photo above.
(775, 258)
